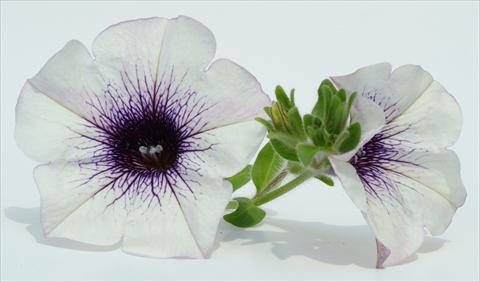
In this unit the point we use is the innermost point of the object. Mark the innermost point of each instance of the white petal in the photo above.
(400, 210)
(155, 46)
(184, 224)
(44, 129)
(433, 122)
(160, 231)
(394, 92)
(438, 171)
(204, 208)
(233, 147)
(175, 53)
(70, 209)
(351, 183)
(70, 78)
(371, 119)
(234, 94)
(404, 195)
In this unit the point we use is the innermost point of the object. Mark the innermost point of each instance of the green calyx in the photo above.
(299, 146)
(310, 139)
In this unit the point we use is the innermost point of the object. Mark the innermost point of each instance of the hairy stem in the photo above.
(282, 189)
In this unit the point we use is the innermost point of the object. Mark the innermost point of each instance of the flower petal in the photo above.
(404, 195)
(70, 78)
(398, 212)
(371, 119)
(433, 122)
(204, 208)
(233, 93)
(233, 147)
(351, 183)
(184, 224)
(70, 209)
(175, 52)
(155, 47)
(394, 92)
(44, 129)
(160, 231)
(439, 171)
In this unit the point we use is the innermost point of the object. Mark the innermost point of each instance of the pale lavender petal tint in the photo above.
(410, 180)
(143, 134)
(382, 254)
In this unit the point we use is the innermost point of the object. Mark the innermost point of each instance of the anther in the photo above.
(150, 150)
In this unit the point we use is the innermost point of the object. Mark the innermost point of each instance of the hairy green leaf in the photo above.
(265, 123)
(292, 97)
(306, 153)
(325, 179)
(353, 138)
(342, 95)
(284, 150)
(295, 120)
(246, 214)
(267, 165)
(282, 97)
(241, 178)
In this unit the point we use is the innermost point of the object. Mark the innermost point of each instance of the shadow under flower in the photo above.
(332, 244)
(31, 217)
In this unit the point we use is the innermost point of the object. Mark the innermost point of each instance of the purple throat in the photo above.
(377, 163)
(144, 138)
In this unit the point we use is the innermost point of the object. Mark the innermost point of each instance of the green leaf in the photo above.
(283, 150)
(306, 153)
(338, 123)
(295, 120)
(320, 109)
(307, 120)
(335, 103)
(268, 111)
(328, 83)
(266, 167)
(282, 97)
(265, 123)
(292, 97)
(241, 178)
(342, 95)
(351, 99)
(279, 117)
(318, 135)
(325, 179)
(232, 205)
(276, 181)
(353, 138)
(246, 214)
(295, 167)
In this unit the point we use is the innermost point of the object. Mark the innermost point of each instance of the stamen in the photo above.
(151, 151)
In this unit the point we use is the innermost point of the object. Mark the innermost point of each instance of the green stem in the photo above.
(282, 189)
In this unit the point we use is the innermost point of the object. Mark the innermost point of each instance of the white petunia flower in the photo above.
(402, 176)
(137, 139)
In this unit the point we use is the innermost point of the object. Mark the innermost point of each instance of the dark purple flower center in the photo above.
(146, 137)
(148, 144)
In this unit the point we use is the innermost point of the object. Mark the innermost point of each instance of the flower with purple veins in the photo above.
(137, 140)
(402, 176)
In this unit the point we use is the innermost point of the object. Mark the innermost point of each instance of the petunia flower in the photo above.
(138, 137)
(402, 177)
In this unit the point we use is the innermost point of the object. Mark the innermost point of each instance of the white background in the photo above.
(314, 233)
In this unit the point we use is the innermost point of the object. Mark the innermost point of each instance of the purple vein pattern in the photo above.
(145, 138)
(380, 162)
